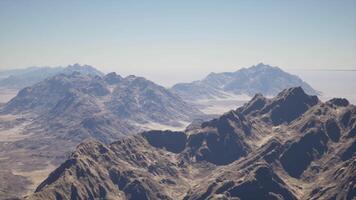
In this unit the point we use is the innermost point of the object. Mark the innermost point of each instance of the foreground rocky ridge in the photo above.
(289, 147)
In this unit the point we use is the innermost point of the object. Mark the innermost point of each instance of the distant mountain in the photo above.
(132, 97)
(260, 78)
(20, 78)
(292, 146)
(82, 102)
(46, 121)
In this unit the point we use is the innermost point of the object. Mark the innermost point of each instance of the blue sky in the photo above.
(169, 40)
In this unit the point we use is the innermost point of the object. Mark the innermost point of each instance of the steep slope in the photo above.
(20, 78)
(243, 154)
(45, 122)
(261, 78)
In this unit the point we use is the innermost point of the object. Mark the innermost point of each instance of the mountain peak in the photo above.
(112, 78)
(257, 96)
(293, 91)
(261, 78)
(78, 66)
(84, 69)
(289, 105)
(297, 94)
(261, 64)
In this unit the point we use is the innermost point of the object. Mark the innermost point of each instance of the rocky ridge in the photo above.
(259, 151)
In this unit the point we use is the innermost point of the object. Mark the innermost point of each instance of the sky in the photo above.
(175, 41)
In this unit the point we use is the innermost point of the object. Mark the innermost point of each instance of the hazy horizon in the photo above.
(171, 78)
(331, 82)
(165, 40)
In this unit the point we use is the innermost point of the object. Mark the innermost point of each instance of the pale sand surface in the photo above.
(7, 94)
(158, 126)
(221, 105)
(12, 130)
(14, 134)
(36, 176)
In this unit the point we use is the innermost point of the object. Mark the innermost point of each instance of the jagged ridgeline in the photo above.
(70, 97)
(292, 146)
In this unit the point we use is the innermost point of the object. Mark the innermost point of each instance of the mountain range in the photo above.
(259, 78)
(132, 97)
(212, 95)
(269, 148)
(46, 121)
(20, 78)
(291, 146)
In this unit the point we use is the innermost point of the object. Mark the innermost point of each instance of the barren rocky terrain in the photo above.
(292, 146)
(45, 122)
